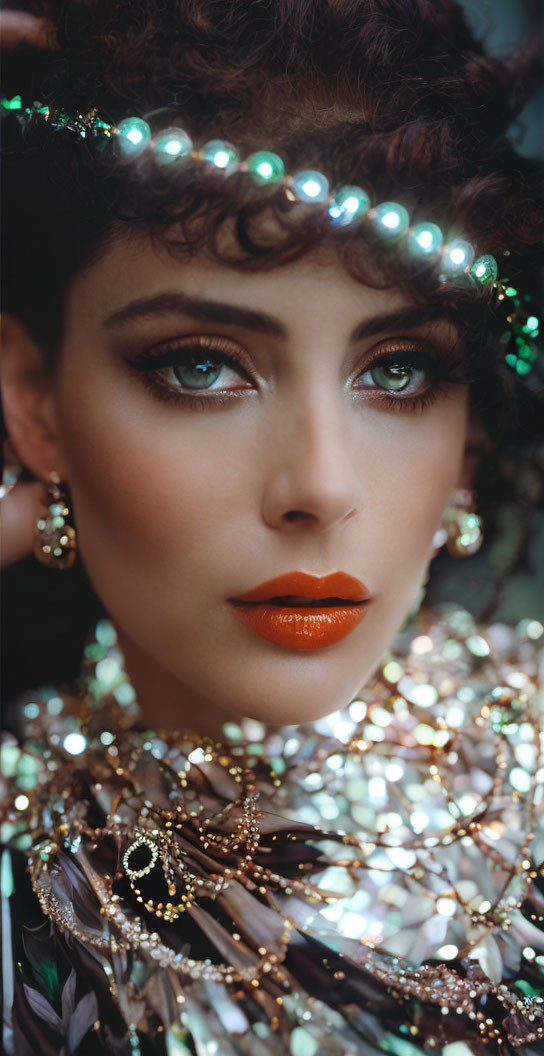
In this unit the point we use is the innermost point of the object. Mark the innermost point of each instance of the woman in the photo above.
(251, 374)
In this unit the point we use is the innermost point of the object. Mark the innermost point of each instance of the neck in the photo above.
(164, 701)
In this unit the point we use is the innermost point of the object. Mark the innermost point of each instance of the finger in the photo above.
(18, 27)
(19, 514)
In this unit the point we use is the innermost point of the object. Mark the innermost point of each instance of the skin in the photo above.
(178, 508)
(19, 27)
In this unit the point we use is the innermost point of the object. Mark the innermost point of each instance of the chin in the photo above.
(294, 708)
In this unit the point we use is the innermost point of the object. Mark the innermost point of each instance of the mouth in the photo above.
(304, 588)
(303, 612)
(299, 602)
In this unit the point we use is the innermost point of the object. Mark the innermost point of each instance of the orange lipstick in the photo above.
(302, 611)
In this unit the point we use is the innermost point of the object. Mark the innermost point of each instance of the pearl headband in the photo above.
(346, 205)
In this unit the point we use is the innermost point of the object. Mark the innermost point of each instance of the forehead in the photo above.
(136, 265)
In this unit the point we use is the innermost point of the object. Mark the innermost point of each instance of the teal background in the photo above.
(503, 25)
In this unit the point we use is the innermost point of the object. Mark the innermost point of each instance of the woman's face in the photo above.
(309, 430)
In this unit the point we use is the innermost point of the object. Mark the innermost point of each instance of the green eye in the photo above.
(393, 377)
(197, 373)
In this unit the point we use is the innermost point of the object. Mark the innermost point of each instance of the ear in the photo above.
(27, 384)
(478, 445)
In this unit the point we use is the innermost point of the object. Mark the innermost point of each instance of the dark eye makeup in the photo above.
(209, 371)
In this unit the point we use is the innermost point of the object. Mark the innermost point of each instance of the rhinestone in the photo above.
(484, 270)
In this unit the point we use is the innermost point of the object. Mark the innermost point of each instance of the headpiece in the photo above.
(346, 205)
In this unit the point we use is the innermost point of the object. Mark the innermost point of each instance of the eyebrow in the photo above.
(210, 311)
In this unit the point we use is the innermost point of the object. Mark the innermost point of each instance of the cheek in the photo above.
(416, 472)
(151, 488)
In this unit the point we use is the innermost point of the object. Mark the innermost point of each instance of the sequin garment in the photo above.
(370, 882)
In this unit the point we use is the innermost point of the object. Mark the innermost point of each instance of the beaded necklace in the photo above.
(400, 837)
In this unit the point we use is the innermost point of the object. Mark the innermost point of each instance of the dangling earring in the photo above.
(55, 541)
(462, 528)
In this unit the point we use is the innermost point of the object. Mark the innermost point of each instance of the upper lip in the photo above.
(303, 584)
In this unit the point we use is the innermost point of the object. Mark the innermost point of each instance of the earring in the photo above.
(55, 541)
(462, 528)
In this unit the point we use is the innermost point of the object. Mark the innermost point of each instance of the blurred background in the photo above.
(503, 25)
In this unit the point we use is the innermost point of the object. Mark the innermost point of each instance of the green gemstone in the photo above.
(348, 204)
(532, 323)
(425, 240)
(527, 989)
(511, 359)
(57, 522)
(392, 219)
(510, 291)
(59, 120)
(93, 651)
(484, 270)
(266, 167)
(101, 127)
(522, 367)
(15, 103)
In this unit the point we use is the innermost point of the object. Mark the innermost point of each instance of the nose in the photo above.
(312, 481)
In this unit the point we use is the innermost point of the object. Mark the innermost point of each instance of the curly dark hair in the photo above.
(394, 95)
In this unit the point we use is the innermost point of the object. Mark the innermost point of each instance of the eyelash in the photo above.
(443, 371)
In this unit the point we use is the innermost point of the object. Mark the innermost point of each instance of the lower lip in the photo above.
(300, 628)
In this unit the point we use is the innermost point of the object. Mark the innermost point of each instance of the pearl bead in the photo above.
(425, 240)
(265, 167)
(391, 219)
(457, 256)
(172, 143)
(221, 154)
(348, 204)
(133, 135)
(310, 186)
